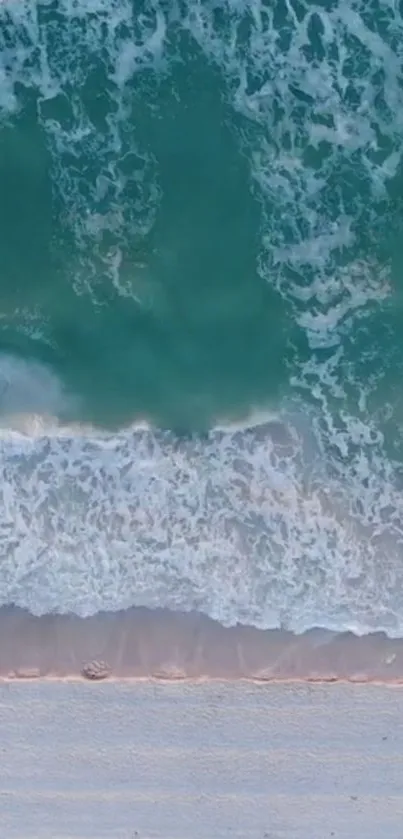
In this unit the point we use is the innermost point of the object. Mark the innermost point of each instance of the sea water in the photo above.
(201, 309)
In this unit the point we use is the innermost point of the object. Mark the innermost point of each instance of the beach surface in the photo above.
(147, 760)
(141, 643)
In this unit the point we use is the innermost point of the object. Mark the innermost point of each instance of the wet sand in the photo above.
(200, 761)
(142, 643)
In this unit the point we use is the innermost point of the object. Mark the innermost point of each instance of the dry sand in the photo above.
(215, 760)
(142, 643)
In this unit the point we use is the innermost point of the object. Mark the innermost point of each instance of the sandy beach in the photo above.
(200, 761)
(143, 643)
(196, 731)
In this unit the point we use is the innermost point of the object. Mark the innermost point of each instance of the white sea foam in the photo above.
(266, 56)
(248, 525)
(298, 520)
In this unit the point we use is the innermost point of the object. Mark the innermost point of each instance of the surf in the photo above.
(203, 218)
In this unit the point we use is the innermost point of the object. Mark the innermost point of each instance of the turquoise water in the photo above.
(201, 312)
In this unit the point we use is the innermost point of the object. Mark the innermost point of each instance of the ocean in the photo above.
(201, 309)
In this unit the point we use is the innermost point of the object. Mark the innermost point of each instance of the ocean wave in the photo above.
(255, 525)
(292, 522)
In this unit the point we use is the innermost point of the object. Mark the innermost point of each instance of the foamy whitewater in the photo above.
(292, 517)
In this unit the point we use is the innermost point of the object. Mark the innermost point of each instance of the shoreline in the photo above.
(144, 644)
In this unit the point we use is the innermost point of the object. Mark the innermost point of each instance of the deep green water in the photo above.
(187, 330)
(201, 218)
(132, 217)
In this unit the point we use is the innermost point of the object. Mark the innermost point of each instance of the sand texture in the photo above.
(143, 643)
(143, 760)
